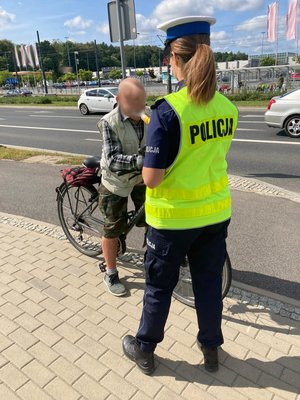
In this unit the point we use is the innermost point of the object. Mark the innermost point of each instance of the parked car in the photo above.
(284, 112)
(106, 82)
(59, 85)
(98, 100)
(295, 76)
(18, 92)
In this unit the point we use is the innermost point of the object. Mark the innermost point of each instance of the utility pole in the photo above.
(41, 62)
(87, 61)
(169, 85)
(76, 67)
(121, 36)
(68, 50)
(97, 64)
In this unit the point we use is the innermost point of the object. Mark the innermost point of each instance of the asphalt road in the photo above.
(257, 151)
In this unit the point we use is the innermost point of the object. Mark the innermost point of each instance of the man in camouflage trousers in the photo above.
(124, 134)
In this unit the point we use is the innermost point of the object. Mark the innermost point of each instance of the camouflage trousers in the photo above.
(114, 209)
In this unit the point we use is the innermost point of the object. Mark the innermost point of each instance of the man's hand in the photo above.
(142, 151)
(139, 162)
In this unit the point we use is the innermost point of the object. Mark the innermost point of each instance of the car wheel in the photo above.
(84, 109)
(292, 126)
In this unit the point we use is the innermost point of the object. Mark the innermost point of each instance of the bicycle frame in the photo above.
(133, 216)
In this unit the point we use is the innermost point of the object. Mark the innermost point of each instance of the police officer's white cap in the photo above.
(185, 26)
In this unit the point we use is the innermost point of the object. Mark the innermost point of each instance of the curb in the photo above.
(43, 150)
(39, 107)
(261, 187)
(279, 304)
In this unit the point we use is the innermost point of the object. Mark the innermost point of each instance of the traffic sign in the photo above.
(128, 20)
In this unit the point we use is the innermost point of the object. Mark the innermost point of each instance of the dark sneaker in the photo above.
(144, 360)
(211, 360)
(114, 285)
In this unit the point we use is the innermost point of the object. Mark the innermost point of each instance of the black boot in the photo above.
(144, 360)
(211, 361)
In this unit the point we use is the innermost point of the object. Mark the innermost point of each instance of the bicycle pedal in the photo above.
(102, 266)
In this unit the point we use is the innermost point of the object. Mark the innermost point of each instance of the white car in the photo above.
(284, 113)
(98, 100)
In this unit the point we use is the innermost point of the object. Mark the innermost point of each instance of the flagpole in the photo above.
(297, 30)
(277, 24)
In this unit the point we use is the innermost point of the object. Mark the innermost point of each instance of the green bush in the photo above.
(247, 96)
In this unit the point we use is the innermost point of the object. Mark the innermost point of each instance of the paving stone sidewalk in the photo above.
(60, 335)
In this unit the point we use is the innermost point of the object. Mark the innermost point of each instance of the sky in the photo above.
(241, 24)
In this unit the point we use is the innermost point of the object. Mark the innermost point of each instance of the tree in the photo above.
(68, 77)
(6, 51)
(3, 76)
(296, 59)
(115, 74)
(267, 61)
(85, 75)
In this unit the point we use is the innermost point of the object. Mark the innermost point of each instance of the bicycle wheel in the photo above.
(184, 291)
(80, 218)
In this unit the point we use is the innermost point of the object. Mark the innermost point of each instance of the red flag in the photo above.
(272, 21)
(291, 20)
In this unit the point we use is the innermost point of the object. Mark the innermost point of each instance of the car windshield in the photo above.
(292, 91)
(114, 91)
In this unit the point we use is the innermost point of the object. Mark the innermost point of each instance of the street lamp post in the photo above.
(76, 68)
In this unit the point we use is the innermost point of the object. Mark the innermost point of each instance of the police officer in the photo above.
(188, 204)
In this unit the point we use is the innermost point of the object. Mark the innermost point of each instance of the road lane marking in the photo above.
(59, 116)
(265, 141)
(250, 129)
(94, 140)
(251, 122)
(42, 128)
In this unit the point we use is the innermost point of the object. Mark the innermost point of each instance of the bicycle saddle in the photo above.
(92, 162)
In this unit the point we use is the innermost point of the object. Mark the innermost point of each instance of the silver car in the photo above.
(284, 113)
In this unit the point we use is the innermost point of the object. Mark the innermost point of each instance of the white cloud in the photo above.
(79, 33)
(5, 18)
(220, 35)
(78, 23)
(103, 28)
(167, 9)
(253, 24)
(238, 5)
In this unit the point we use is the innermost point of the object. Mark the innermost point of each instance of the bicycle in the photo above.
(82, 223)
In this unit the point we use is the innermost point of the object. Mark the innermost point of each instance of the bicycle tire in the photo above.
(85, 247)
(184, 291)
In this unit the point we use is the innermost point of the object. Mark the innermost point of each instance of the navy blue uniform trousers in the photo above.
(166, 250)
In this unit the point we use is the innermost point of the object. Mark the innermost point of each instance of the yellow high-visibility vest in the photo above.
(194, 192)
